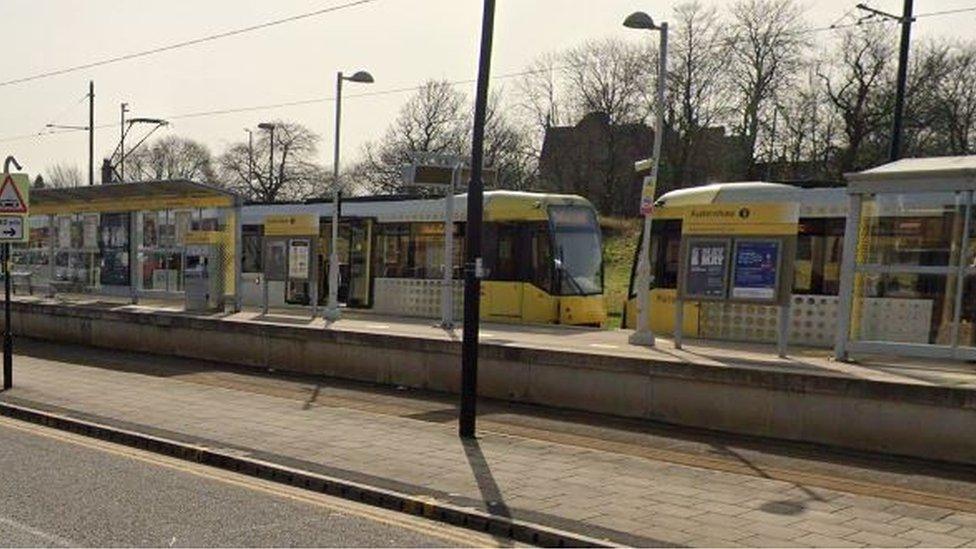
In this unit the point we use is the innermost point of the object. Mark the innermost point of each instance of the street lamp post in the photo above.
(124, 109)
(250, 156)
(270, 128)
(332, 308)
(643, 334)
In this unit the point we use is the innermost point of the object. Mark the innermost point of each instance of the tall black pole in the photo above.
(271, 160)
(472, 267)
(8, 344)
(906, 35)
(122, 144)
(91, 132)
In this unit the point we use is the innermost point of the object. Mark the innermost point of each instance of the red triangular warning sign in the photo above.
(10, 199)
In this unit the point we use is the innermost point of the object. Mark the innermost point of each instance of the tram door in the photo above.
(353, 253)
(503, 246)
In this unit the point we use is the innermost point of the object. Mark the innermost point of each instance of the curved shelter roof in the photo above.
(123, 197)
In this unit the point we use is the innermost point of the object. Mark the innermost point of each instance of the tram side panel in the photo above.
(524, 281)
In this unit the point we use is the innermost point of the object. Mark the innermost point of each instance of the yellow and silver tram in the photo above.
(909, 307)
(816, 273)
(542, 257)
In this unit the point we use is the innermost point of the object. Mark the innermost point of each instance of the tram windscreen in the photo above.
(578, 250)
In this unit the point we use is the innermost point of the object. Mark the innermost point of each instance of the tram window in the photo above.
(506, 264)
(392, 250)
(666, 252)
(578, 250)
(428, 250)
(542, 264)
(251, 248)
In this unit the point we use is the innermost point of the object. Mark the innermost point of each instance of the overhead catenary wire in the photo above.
(271, 106)
(236, 110)
(186, 43)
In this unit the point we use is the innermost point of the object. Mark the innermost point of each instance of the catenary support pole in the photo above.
(91, 132)
(473, 267)
(906, 37)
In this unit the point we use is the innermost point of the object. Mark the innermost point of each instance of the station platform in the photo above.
(887, 404)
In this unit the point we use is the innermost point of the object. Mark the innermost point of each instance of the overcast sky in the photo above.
(402, 42)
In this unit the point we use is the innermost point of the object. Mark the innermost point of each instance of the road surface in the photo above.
(60, 489)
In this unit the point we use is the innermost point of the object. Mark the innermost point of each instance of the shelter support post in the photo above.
(783, 329)
(848, 264)
(238, 257)
(679, 323)
(313, 275)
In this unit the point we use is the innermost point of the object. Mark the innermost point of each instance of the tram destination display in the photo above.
(706, 269)
(755, 269)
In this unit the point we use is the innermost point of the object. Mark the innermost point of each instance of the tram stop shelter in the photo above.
(128, 239)
(909, 267)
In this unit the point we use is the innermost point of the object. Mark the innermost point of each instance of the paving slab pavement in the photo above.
(630, 499)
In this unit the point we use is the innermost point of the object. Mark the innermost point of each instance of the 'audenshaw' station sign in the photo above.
(778, 219)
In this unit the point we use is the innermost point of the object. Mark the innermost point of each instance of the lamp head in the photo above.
(157, 121)
(640, 20)
(266, 126)
(362, 77)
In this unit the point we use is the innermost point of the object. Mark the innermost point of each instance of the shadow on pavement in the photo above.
(624, 435)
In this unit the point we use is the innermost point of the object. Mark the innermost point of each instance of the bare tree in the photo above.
(957, 100)
(766, 47)
(172, 157)
(699, 87)
(540, 94)
(296, 175)
(63, 175)
(808, 128)
(861, 68)
(924, 131)
(434, 120)
(610, 76)
(508, 148)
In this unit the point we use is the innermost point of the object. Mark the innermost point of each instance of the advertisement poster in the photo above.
(705, 273)
(756, 270)
(90, 231)
(64, 232)
(298, 259)
(113, 242)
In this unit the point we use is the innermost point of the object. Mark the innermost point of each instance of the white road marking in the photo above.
(603, 345)
(453, 534)
(47, 537)
(378, 326)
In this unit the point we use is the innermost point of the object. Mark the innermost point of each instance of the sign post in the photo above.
(738, 253)
(14, 205)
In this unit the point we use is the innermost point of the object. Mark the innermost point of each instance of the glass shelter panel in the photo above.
(907, 268)
(919, 229)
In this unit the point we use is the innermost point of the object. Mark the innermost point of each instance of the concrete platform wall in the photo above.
(930, 422)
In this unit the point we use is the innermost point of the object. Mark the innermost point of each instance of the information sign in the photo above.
(291, 225)
(11, 228)
(298, 259)
(14, 205)
(755, 274)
